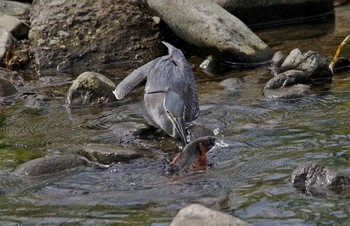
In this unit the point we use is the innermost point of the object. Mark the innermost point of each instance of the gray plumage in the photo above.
(170, 99)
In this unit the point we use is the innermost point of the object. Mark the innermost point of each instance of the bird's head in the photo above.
(175, 110)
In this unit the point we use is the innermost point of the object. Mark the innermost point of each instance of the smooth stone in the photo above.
(49, 165)
(198, 215)
(6, 88)
(213, 30)
(108, 154)
(288, 78)
(7, 41)
(12, 24)
(16, 9)
(268, 13)
(90, 88)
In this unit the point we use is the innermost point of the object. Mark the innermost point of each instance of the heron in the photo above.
(170, 97)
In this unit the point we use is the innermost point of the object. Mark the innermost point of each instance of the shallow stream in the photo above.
(259, 143)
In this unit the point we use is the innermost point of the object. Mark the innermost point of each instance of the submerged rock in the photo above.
(294, 91)
(91, 34)
(50, 165)
(90, 88)
(296, 68)
(315, 179)
(198, 215)
(108, 154)
(213, 30)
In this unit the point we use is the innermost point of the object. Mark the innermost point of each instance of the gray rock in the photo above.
(288, 78)
(16, 9)
(315, 179)
(297, 68)
(90, 88)
(92, 34)
(7, 41)
(277, 12)
(49, 165)
(210, 28)
(6, 88)
(108, 154)
(198, 215)
(35, 100)
(12, 24)
(294, 91)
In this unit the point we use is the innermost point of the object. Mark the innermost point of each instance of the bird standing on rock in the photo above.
(170, 99)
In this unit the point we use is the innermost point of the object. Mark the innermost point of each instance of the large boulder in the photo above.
(277, 12)
(213, 30)
(198, 215)
(89, 34)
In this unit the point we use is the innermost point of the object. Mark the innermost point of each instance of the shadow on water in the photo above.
(259, 143)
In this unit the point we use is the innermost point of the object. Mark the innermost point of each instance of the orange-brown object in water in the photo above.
(194, 154)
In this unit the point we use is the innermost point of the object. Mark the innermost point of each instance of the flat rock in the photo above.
(295, 91)
(198, 215)
(92, 34)
(49, 165)
(107, 154)
(207, 26)
(90, 88)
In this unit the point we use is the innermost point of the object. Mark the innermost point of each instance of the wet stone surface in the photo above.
(50, 165)
(318, 180)
(109, 154)
(90, 88)
(296, 68)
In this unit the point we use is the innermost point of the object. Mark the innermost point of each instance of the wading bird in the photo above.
(170, 98)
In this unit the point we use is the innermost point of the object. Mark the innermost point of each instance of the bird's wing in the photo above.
(131, 81)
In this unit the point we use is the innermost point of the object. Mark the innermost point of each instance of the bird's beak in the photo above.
(180, 126)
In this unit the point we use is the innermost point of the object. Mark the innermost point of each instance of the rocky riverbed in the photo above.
(65, 144)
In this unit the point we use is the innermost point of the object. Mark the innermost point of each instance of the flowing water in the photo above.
(259, 143)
